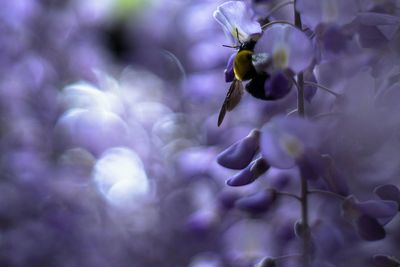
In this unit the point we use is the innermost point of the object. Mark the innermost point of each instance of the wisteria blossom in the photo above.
(114, 153)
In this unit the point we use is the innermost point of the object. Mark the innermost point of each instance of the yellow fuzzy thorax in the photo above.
(242, 64)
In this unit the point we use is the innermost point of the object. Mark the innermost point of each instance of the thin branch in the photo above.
(277, 22)
(300, 92)
(283, 193)
(323, 88)
(327, 193)
(291, 112)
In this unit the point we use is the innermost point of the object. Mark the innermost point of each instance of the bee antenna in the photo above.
(231, 46)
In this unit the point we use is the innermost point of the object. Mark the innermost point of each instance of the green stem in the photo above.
(304, 184)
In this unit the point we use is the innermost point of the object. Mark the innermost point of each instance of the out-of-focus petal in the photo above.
(388, 192)
(237, 21)
(285, 140)
(288, 46)
(314, 13)
(369, 229)
(258, 203)
(386, 261)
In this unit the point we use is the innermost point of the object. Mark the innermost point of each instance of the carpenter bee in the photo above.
(244, 70)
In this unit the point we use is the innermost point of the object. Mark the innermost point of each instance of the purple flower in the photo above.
(249, 174)
(382, 210)
(240, 154)
(257, 203)
(287, 140)
(388, 192)
(369, 229)
(339, 12)
(386, 24)
(236, 19)
(288, 47)
(369, 216)
(309, 90)
(270, 87)
(229, 73)
(386, 261)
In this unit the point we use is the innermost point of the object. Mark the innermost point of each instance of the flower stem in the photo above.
(327, 193)
(276, 22)
(304, 184)
(323, 88)
(283, 193)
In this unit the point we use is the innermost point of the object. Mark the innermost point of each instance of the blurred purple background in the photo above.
(109, 137)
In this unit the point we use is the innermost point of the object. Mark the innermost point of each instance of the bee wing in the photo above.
(232, 99)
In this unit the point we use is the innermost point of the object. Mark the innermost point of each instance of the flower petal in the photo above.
(369, 229)
(257, 203)
(285, 140)
(388, 192)
(240, 154)
(249, 174)
(289, 47)
(237, 21)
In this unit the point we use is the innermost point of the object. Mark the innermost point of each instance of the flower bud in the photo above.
(249, 174)
(388, 192)
(240, 154)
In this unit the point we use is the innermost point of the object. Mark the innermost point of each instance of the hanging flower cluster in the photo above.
(322, 47)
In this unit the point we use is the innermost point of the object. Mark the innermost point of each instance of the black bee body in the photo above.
(244, 70)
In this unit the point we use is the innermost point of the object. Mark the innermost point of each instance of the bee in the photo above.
(244, 70)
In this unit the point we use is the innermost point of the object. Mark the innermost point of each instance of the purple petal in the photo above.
(236, 15)
(285, 140)
(388, 192)
(339, 12)
(240, 154)
(250, 173)
(327, 236)
(371, 37)
(374, 19)
(201, 221)
(227, 199)
(386, 261)
(369, 229)
(382, 210)
(311, 166)
(229, 73)
(309, 90)
(288, 44)
(335, 180)
(257, 203)
(278, 86)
